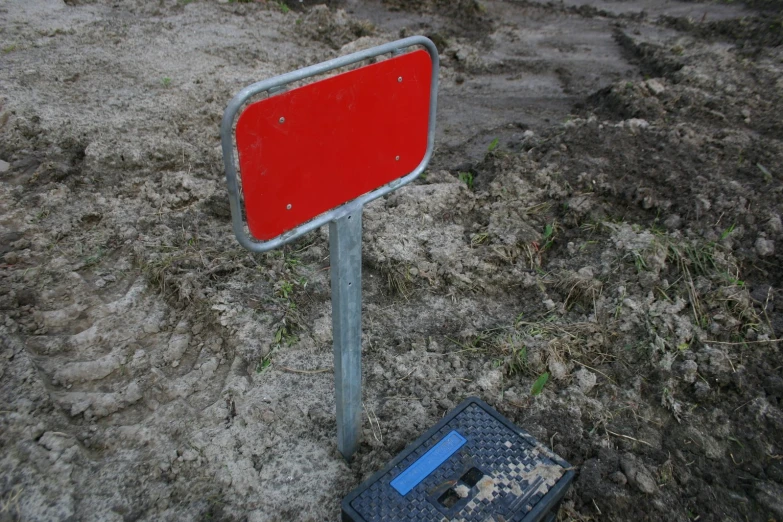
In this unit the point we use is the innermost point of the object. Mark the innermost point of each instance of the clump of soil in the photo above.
(466, 16)
(335, 29)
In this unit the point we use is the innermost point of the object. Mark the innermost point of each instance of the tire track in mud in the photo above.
(527, 69)
(122, 357)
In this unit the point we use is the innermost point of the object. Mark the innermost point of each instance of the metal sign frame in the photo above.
(345, 231)
(273, 86)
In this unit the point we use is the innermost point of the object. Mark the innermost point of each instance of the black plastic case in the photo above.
(474, 465)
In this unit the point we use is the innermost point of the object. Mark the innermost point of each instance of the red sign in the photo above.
(313, 148)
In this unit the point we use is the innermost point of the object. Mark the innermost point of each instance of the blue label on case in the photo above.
(427, 463)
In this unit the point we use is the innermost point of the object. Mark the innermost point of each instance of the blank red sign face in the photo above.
(313, 148)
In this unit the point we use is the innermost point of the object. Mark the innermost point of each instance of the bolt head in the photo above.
(282, 120)
(399, 79)
(397, 158)
(288, 207)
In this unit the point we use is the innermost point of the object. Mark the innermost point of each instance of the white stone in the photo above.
(558, 370)
(765, 247)
(490, 381)
(637, 123)
(586, 272)
(585, 379)
(774, 225)
(655, 86)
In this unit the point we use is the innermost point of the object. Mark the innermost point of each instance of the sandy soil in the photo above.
(623, 236)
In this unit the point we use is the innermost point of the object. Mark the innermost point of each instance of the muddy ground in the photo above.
(604, 205)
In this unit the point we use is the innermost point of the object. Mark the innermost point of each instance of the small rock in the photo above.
(774, 225)
(189, 455)
(618, 478)
(645, 483)
(585, 379)
(4, 166)
(550, 305)
(630, 303)
(558, 370)
(490, 381)
(655, 86)
(446, 404)
(637, 474)
(196, 328)
(100, 282)
(128, 233)
(11, 258)
(764, 247)
(151, 328)
(586, 272)
(637, 123)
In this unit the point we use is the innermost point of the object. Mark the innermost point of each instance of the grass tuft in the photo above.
(398, 279)
(580, 289)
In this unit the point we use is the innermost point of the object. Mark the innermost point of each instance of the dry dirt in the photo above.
(622, 234)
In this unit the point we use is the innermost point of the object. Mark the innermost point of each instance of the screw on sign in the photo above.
(317, 154)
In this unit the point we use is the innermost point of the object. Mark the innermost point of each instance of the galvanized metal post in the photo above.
(345, 249)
